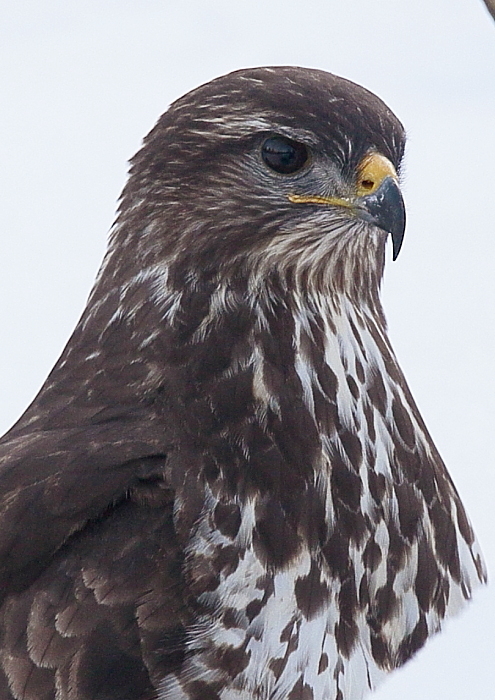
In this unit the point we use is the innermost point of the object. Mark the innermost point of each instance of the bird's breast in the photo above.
(274, 634)
(320, 564)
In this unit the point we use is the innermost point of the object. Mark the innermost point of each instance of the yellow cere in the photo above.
(372, 171)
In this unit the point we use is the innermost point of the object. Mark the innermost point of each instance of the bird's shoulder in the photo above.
(106, 616)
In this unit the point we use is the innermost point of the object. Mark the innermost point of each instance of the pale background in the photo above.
(82, 82)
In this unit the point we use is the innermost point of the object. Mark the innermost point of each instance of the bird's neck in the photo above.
(284, 373)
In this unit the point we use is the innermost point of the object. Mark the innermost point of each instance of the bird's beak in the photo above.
(385, 208)
(377, 198)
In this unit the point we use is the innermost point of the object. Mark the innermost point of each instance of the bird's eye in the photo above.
(284, 155)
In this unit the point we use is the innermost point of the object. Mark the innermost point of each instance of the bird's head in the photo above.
(267, 169)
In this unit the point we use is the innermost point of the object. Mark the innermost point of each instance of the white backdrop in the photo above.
(82, 82)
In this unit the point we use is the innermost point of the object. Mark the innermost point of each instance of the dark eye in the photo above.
(284, 155)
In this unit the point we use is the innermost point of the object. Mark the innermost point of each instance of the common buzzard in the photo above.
(224, 490)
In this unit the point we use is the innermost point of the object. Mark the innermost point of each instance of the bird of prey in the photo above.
(224, 490)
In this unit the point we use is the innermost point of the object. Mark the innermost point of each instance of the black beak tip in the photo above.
(397, 239)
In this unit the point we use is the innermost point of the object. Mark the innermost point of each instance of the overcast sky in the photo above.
(82, 82)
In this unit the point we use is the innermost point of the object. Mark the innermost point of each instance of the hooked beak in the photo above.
(385, 208)
(377, 198)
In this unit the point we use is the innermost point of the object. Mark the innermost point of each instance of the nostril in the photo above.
(367, 184)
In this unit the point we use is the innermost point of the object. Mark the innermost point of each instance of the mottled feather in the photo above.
(224, 490)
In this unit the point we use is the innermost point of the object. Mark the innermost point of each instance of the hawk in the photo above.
(224, 490)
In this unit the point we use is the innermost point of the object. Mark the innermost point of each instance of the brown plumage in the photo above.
(224, 490)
